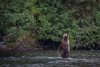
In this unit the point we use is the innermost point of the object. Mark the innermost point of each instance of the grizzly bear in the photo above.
(65, 46)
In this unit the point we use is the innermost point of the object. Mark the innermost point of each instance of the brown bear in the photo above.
(65, 46)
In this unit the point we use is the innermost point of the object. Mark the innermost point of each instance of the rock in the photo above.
(25, 44)
(38, 49)
(2, 43)
(3, 47)
(21, 48)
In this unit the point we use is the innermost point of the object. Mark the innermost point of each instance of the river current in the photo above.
(49, 58)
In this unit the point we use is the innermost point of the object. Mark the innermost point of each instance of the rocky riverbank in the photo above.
(8, 43)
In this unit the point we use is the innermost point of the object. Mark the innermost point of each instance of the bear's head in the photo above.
(65, 36)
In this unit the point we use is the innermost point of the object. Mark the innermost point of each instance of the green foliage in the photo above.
(49, 19)
(16, 18)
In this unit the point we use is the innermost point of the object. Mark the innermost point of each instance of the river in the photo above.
(49, 58)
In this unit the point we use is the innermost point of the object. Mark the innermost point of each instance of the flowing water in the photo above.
(49, 58)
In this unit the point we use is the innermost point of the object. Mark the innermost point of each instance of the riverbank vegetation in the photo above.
(41, 23)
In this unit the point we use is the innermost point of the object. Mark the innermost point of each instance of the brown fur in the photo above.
(65, 46)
